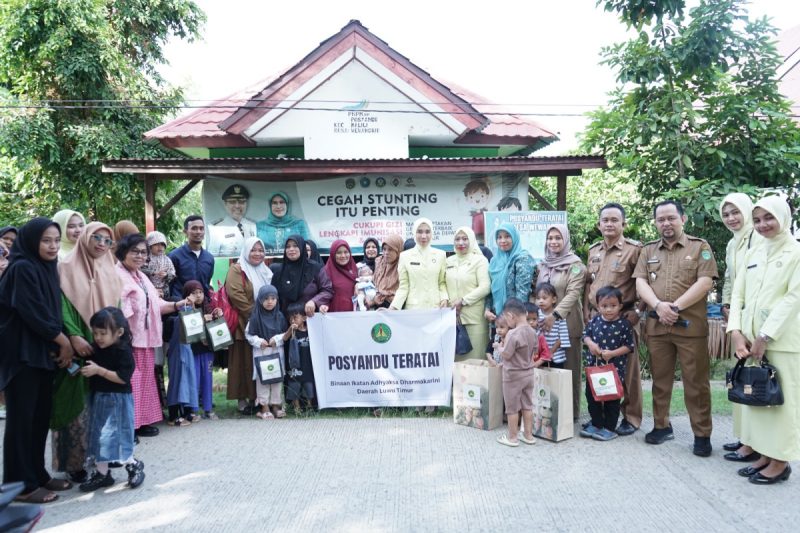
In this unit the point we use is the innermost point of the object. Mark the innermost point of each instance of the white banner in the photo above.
(353, 208)
(383, 358)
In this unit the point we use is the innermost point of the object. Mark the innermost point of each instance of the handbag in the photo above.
(269, 368)
(604, 382)
(219, 334)
(463, 343)
(756, 386)
(219, 299)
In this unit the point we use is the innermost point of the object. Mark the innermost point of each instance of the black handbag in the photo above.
(754, 385)
(463, 344)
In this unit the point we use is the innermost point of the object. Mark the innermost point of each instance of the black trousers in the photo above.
(29, 402)
(604, 414)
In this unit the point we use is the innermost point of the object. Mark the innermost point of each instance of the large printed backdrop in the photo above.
(356, 207)
(392, 358)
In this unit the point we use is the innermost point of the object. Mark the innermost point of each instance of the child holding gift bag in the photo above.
(518, 351)
(609, 337)
(266, 332)
(203, 352)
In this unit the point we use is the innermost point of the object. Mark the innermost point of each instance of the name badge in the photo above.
(413, 263)
(751, 266)
(653, 261)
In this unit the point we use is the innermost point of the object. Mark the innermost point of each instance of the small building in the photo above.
(353, 141)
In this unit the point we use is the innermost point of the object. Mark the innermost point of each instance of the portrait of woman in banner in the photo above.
(280, 223)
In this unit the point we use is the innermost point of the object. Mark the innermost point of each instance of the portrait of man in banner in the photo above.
(227, 234)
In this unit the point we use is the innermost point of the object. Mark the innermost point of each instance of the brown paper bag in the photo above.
(552, 404)
(477, 394)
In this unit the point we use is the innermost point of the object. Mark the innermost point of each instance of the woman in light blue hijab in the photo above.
(511, 271)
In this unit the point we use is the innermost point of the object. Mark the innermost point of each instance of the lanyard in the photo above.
(140, 281)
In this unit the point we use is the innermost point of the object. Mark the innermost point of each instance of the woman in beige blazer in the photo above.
(421, 271)
(467, 278)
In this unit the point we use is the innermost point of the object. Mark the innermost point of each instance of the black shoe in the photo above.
(135, 439)
(750, 471)
(735, 457)
(659, 435)
(97, 481)
(732, 446)
(146, 431)
(247, 411)
(626, 428)
(80, 476)
(760, 479)
(115, 464)
(702, 446)
(135, 473)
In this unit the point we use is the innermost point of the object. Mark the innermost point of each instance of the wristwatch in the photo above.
(764, 337)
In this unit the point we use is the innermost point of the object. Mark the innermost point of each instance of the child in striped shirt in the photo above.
(558, 336)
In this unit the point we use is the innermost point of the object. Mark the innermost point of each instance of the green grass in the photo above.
(227, 408)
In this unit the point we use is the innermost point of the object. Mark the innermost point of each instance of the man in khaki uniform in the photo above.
(611, 263)
(673, 277)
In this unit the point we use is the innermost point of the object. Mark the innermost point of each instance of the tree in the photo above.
(79, 83)
(698, 113)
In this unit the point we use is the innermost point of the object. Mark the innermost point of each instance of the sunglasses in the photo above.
(99, 239)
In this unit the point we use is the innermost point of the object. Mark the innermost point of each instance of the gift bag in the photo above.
(463, 343)
(219, 335)
(604, 382)
(269, 368)
(192, 326)
(477, 394)
(552, 404)
(293, 354)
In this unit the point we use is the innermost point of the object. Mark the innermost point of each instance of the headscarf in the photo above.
(90, 284)
(473, 243)
(6, 229)
(409, 244)
(294, 276)
(778, 207)
(259, 275)
(417, 223)
(744, 204)
(263, 323)
(314, 251)
(62, 219)
(559, 262)
(156, 237)
(367, 261)
(123, 228)
(502, 264)
(286, 220)
(193, 285)
(342, 277)
(386, 277)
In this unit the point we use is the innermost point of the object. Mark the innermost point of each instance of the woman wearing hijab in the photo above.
(421, 272)
(245, 279)
(386, 277)
(371, 250)
(736, 212)
(89, 282)
(312, 251)
(765, 322)
(124, 228)
(467, 278)
(280, 223)
(143, 308)
(299, 280)
(31, 325)
(342, 271)
(8, 235)
(510, 271)
(3, 263)
(564, 270)
(71, 224)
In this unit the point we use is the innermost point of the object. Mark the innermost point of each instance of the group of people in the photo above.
(82, 309)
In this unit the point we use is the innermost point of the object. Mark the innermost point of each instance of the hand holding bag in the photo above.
(219, 334)
(269, 368)
(192, 325)
(604, 382)
(463, 343)
(756, 386)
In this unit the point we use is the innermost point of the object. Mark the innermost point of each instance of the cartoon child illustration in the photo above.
(509, 203)
(477, 194)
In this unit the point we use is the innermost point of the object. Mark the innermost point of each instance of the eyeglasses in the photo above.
(99, 239)
(138, 251)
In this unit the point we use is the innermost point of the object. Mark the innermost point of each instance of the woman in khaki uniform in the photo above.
(421, 271)
(467, 278)
(565, 271)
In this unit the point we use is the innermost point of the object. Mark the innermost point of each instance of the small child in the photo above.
(110, 437)
(182, 395)
(542, 356)
(609, 337)
(495, 346)
(300, 384)
(365, 289)
(557, 338)
(266, 332)
(203, 355)
(518, 352)
(158, 267)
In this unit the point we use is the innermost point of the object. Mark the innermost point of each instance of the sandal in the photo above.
(280, 413)
(193, 418)
(526, 440)
(57, 484)
(40, 495)
(265, 416)
(180, 422)
(504, 440)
